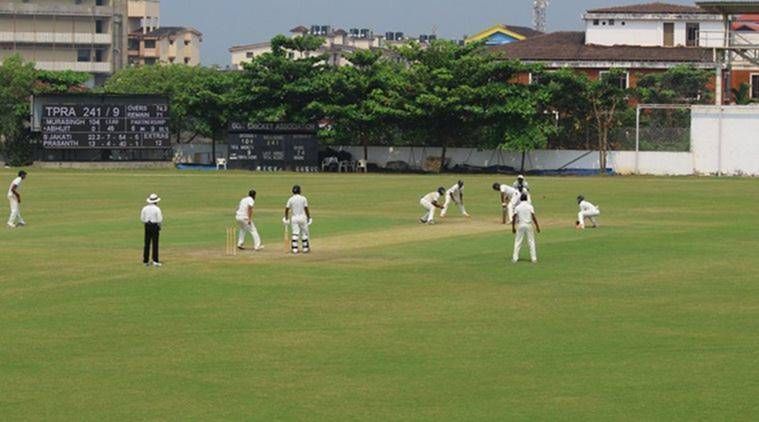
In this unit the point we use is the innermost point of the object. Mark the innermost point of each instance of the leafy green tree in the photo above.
(202, 99)
(607, 97)
(20, 80)
(742, 94)
(679, 85)
(565, 92)
(275, 87)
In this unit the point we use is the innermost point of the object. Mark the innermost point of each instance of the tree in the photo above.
(607, 97)
(20, 80)
(678, 85)
(358, 107)
(565, 92)
(277, 88)
(202, 99)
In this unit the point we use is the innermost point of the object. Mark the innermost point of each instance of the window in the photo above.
(186, 42)
(186, 60)
(171, 42)
(83, 55)
(99, 55)
(611, 22)
(595, 22)
(150, 60)
(669, 34)
(134, 44)
(150, 44)
(101, 2)
(100, 27)
(622, 83)
(755, 85)
(249, 55)
(534, 78)
(692, 34)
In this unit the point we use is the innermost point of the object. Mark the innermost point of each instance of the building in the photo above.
(654, 37)
(150, 43)
(165, 45)
(82, 35)
(338, 43)
(503, 34)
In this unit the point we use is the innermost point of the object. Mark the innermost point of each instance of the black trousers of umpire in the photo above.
(151, 237)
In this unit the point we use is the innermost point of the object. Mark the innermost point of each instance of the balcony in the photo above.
(54, 10)
(54, 38)
(89, 67)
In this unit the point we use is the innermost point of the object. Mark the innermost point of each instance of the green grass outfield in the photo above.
(654, 316)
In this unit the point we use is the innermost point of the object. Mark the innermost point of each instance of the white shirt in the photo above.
(510, 192)
(245, 204)
(587, 207)
(297, 205)
(151, 214)
(525, 185)
(431, 197)
(455, 190)
(17, 183)
(523, 213)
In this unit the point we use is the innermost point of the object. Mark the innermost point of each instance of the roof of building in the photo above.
(649, 8)
(167, 31)
(570, 46)
(244, 47)
(300, 29)
(516, 32)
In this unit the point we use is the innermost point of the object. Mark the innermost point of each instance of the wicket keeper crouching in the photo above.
(298, 216)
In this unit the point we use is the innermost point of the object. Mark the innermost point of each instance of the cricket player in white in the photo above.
(510, 198)
(523, 187)
(244, 219)
(587, 210)
(522, 226)
(430, 202)
(14, 197)
(455, 194)
(298, 216)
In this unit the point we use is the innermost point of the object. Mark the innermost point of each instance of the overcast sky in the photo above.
(225, 23)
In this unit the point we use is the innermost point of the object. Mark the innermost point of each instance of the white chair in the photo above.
(362, 166)
(347, 166)
(327, 162)
(221, 162)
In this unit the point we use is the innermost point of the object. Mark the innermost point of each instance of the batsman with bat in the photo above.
(298, 217)
(509, 198)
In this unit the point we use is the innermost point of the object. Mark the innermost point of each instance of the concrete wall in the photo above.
(725, 140)
(649, 32)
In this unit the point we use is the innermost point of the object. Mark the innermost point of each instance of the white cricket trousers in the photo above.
(428, 217)
(15, 211)
(299, 231)
(513, 202)
(525, 230)
(590, 215)
(247, 227)
(456, 199)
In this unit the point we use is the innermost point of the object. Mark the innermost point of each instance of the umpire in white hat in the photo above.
(152, 218)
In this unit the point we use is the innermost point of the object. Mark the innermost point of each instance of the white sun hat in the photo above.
(153, 199)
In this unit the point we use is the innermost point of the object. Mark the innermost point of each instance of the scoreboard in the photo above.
(103, 122)
(273, 147)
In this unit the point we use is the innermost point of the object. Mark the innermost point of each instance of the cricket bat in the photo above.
(287, 241)
(504, 212)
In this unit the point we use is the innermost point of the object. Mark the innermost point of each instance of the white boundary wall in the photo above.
(725, 140)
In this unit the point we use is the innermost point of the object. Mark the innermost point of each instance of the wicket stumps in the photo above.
(230, 247)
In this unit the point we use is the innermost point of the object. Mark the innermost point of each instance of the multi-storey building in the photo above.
(150, 43)
(338, 43)
(81, 35)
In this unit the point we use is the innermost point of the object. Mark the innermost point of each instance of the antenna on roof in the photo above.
(539, 14)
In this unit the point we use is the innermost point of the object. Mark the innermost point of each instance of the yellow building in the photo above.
(503, 34)
(81, 35)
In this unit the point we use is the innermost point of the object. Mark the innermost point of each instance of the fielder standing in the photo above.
(456, 195)
(510, 198)
(521, 225)
(152, 218)
(298, 216)
(244, 219)
(523, 187)
(14, 197)
(430, 202)
(587, 210)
